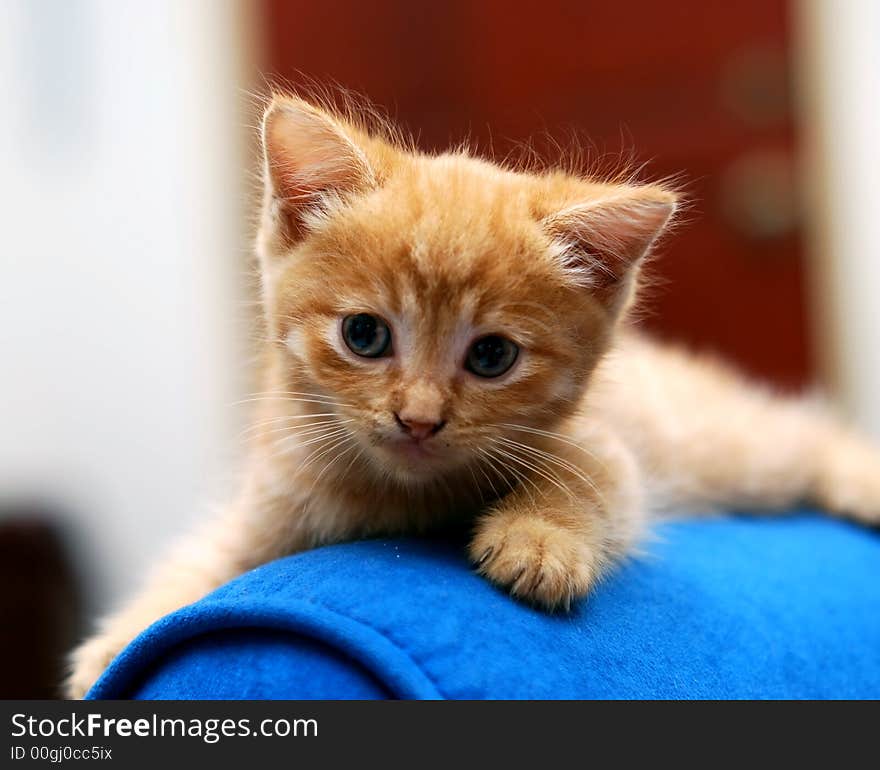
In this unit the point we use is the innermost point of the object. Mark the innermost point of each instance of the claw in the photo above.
(539, 578)
(486, 554)
(514, 584)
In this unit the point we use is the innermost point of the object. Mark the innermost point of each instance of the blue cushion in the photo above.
(732, 607)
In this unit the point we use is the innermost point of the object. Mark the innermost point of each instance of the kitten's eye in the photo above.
(366, 335)
(491, 356)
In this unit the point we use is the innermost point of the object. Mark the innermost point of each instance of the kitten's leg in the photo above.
(708, 438)
(848, 480)
(197, 565)
(567, 520)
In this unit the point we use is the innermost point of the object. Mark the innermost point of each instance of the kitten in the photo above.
(447, 339)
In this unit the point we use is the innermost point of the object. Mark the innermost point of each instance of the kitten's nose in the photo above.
(418, 429)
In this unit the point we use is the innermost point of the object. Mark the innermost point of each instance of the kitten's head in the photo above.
(438, 300)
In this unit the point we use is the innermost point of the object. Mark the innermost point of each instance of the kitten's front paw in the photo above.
(88, 663)
(536, 560)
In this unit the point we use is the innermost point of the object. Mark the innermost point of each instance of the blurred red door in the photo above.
(695, 88)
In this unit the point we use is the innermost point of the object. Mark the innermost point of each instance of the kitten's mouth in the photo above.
(415, 458)
(414, 449)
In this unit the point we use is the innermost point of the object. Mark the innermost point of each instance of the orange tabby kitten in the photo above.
(447, 338)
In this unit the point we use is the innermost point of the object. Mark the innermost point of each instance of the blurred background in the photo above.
(127, 160)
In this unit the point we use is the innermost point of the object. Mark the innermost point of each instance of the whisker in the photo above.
(476, 484)
(551, 434)
(320, 452)
(562, 463)
(552, 458)
(309, 429)
(291, 393)
(323, 437)
(290, 399)
(491, 459)
(306, 416)
(352, 445)
(556, 481)
(351, 463)
(261, 424)
(489, 481)
(519, 475)
(492, 468)
(546, 468)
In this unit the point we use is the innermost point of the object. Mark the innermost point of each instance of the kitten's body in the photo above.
(558, 462)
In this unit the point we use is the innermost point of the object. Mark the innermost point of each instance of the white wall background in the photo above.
(839, 63)
(121, 266)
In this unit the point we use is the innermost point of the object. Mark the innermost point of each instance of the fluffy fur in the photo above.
(556, 464)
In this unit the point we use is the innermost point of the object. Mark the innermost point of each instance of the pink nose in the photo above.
(418, 429)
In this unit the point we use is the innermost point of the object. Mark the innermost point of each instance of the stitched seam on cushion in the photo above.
(385, 635)
(144, 672)
(168, 639)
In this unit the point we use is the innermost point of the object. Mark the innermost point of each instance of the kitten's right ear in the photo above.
(310, 158)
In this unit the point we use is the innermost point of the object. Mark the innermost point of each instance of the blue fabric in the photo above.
(717, 608)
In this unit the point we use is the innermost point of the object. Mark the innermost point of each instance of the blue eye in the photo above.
(366, 335)
(491, 356)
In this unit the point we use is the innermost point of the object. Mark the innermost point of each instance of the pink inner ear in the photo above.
(604, 240)
(308, 155)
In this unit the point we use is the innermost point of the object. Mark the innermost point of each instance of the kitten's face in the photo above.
(437, 305)
(432, 309)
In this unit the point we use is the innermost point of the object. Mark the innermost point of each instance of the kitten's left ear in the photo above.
(604, 241)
